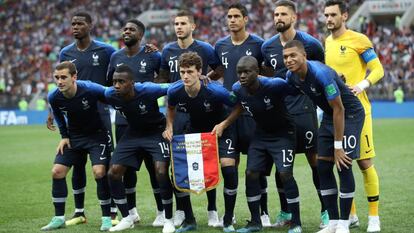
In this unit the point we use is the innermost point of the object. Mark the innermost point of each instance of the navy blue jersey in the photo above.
(142, 112)
(267, 105)
(92, 63)
(144, 65)
(322, 84)
(206, 109)
(79, 114)
(230, 54)
(272, 51)
(172, 51)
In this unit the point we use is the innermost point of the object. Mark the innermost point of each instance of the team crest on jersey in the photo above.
(143, 65)
(85, 104)
(343, 50)
(142, 108)
(95, 58)
(207, 105)
(248, 52)
(314, 91)
(269, 105)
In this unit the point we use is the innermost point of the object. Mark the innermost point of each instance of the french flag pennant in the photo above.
(195, 162)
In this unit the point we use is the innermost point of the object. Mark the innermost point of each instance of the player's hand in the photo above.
(218, 129)
(149, 48)
(64, 142)
(356, 90)
(205, 80)
(341, 159)
(49, 122)
(167, 134)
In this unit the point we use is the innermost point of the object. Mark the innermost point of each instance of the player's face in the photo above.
(131, 34)
(122, 84)
(190, 75)
(294, 59)
(80, 28)
(284, 18)
(64, 80)
(235, 20)
(334, 20)
(247, 74)
(183, 27)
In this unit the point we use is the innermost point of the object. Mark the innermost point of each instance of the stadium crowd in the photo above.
(34, 31)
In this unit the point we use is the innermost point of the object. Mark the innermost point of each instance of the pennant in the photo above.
(195, 162)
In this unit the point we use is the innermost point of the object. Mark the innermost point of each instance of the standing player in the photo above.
(300, 106)
(75, 107)
(184, 27)
(339, 133)
(91, 58)
(138, 103)
(144, 65)
(352, 54)
(205, 105)
(273, 140)
(230, 49)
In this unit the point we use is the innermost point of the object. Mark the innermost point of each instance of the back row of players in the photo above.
(278, 121)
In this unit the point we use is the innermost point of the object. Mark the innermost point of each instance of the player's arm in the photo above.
(217, 73)
(267, 71)
(60, 120)
(170, 116)
(163, 76)
(340, 158)
(235, 113)
(374, 66)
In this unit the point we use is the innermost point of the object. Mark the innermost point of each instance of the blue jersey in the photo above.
(272, 51)
(92, 63)
(322, 84)
(144, 65)
(206, 109)
(79, 114)
(172, 51)
(267, 105)
(230, 54)
(142, 112)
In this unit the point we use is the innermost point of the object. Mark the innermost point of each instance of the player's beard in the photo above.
(335, 28)
(284, 27)
(184, 36)
(131, 42)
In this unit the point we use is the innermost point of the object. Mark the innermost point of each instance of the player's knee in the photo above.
(226, 162)
(324, 166)
(312, 159)
(99, 171)
(115, 172)
(58, 172)
(286, 176)
(252, 176)
(364, 164)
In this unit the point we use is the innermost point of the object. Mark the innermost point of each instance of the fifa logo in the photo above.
(85, 104)
(143, 65)
(248, 52)
(95, 58)
(207, 105)
(269, 105)
(142, 108)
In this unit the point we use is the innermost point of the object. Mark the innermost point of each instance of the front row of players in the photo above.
(211, 108)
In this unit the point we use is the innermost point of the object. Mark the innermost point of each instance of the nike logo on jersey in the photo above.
(72, 60)
(273, 55)
(102, 158)
(367, 151)
(349, 152)
(308, 147)
(119, 64)
(117, 107)
(287, 165)
(173, 57)
(224, 53)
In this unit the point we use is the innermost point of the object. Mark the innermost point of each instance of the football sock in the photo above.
(263, 199)
(104, 197)
(329, 189)
(371, 185)
(231, 178)
(347, 190)
(59, 195)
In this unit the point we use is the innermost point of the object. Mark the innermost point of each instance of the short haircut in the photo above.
(190, 59)
(294, 43)
(343, 7)
(186, 13)
(240, 7)
(87, 16)
(139, 24)
(67, 65)
(287, 3)
(125, 69)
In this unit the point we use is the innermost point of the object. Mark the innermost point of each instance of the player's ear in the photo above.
(246, 19)
(345, 16)
(193, 26)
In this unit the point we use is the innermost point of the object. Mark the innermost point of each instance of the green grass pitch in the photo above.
(27, 153)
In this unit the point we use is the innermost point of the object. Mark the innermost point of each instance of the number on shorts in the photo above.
(309, 136)
(229, 142)
(350, 141)
(164, 147)
(287, 157)
(103, 148)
